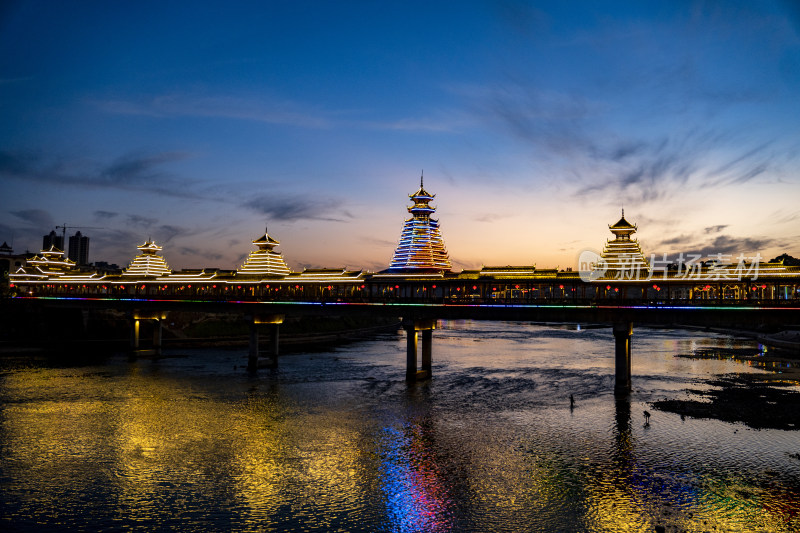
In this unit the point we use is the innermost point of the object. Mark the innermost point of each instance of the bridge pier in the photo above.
(136, 318)
(274, 322)
(413, 328)
(622, 357)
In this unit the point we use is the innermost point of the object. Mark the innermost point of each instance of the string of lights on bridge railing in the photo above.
(421, 264)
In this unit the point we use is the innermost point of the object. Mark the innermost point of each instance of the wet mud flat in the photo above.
(769, 400)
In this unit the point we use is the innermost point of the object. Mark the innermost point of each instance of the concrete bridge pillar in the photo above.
(411, 352)
(274, 322)
(252, 356)
(135, 333)
(622, 357)
(413, 328)
(136, 318)
(157, 330)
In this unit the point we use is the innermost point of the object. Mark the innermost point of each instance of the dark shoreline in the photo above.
(768, 400)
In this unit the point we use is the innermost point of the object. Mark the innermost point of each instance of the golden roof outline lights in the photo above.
(148, 263)
(46, 264)
(265, 261)
(421, 246)
(622, 257)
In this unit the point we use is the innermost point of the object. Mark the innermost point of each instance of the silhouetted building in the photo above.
(53, 239)
(104, 267)
(79, 249)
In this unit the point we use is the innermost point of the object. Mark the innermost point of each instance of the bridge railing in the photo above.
(358, 297)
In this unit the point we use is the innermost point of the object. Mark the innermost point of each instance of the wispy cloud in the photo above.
(491, 217)
(290, 208)
(200, 253)
(726, 245)
(141, 172)
(105, 215)
(256, 109)
(141, 221)
(715, 229)
(39, 218)
(167, 232)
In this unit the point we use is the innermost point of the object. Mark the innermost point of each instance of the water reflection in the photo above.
(337, 441)
(417, 495)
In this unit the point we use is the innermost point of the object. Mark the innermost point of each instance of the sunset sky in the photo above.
(198, 123)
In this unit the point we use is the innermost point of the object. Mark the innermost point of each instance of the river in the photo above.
(337, 441)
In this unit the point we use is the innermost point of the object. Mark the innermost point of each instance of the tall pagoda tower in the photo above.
(421, 245)
(148, 263)
(265, 261)
(623, 256)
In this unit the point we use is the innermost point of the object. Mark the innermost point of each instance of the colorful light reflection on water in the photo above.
(336, 441)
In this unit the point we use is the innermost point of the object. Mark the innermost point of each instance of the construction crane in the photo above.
(64, 227)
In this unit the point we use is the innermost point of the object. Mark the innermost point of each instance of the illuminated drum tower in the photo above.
(421, 246)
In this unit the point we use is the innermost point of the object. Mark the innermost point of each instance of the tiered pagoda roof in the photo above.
(148, 263)
(50, 263)
(265, 261)
(623, 257)
(421, 245)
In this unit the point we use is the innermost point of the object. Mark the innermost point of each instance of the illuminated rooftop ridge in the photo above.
(148, 263)
(623, 255)
(421, 244)
(51, 262)
(622, 229)
(265, 261)
(422, 199)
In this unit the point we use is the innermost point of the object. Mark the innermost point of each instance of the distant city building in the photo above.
(106, 267)
(79, 249)
(53, 239)
(421, 245)
(265, 261)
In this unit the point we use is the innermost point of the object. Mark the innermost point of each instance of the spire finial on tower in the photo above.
(421, 176)
(623, 212)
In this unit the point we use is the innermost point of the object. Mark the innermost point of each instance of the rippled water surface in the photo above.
(336, 441)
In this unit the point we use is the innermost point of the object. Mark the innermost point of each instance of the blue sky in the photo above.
(198, 123)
